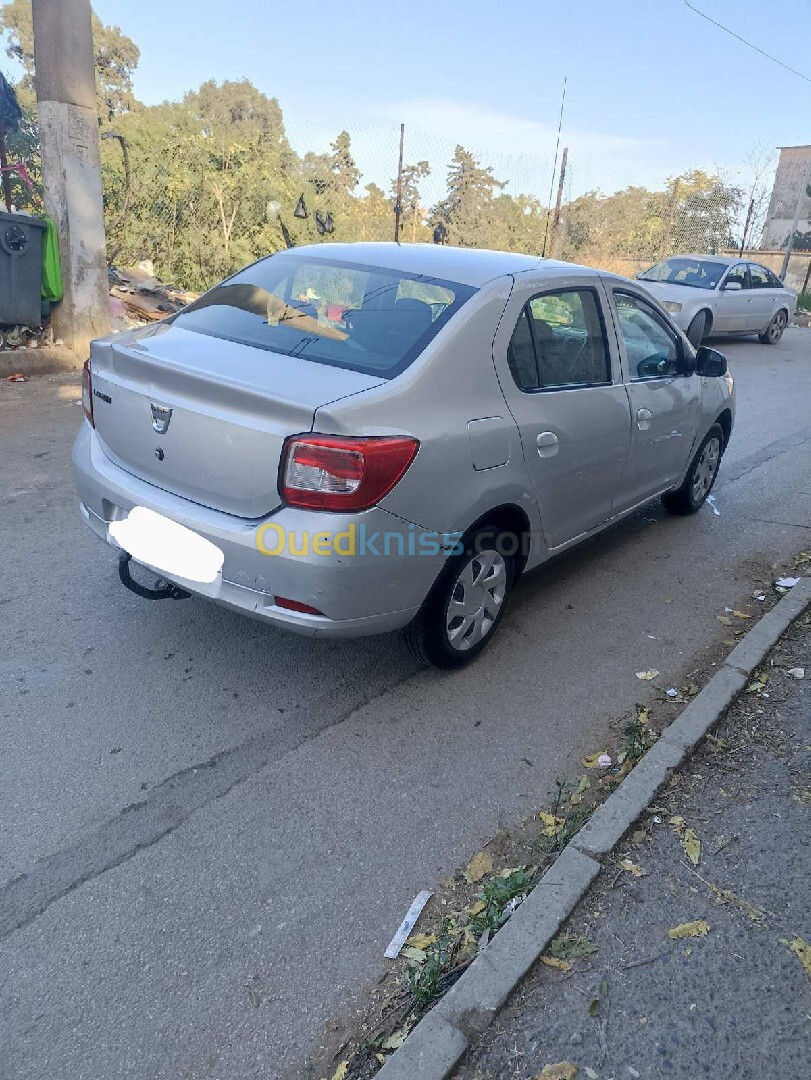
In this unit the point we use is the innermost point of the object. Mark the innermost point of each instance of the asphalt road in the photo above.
(212, 829)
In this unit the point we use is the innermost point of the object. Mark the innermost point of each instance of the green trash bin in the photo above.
(21, 239)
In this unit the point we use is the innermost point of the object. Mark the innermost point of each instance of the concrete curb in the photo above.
(434, 1047)
(46, 361)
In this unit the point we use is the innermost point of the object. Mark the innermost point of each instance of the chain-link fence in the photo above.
(201, 198)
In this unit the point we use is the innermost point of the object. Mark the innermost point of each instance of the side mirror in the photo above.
(710, 363)
(732, 286)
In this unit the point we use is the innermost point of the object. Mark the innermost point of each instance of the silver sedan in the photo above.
(349, 439)
(709, 295)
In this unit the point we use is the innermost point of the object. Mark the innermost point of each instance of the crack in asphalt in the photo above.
(750, 462)
(142, 824)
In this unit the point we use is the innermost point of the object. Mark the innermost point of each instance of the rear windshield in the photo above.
(360, 317)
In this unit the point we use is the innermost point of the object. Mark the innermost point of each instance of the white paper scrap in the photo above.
(407, 925)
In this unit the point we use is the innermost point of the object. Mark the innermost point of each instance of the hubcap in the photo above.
(778, 326)
(476, 599)
(706, 468)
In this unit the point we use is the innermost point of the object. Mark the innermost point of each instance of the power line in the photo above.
(745, 42)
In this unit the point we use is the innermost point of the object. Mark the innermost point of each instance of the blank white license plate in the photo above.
(166, 546)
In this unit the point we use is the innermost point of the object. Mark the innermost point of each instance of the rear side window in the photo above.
(365, 318)
(763, 278)
(559, 342)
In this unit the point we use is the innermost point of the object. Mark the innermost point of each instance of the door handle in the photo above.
(547, 443)
(643, 419)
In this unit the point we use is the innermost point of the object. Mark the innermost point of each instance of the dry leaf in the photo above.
(554, 825)
(726, 896)
(410, 953)
(562, 1070)
(571, 947)
(642, 714)
(678, 823)
(582, 787)
(341, 1071)
(477, 908)
(638, 836)
(421, 941)
(556, 962)
(725, 619)
(646, 676)
(632, 868)
(692, 846)
(690, 929)
(802, 950)
(479, 865)
(397, 1038)
(741, 615)
(508, 870)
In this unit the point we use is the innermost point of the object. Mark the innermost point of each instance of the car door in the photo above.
(562, 382)
(732, 311)
(664, 395)
(763, 298)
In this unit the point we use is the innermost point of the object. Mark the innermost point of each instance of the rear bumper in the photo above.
(359, 591)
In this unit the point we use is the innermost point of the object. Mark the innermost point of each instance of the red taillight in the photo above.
(337, 472)
(296, 605)
(87, 393)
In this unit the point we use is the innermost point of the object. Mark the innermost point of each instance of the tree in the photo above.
(115, 56)
(468, 210)
(410, 196)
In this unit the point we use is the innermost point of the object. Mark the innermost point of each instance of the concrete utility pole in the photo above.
(71, 171)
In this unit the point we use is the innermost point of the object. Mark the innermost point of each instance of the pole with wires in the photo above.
(398, 205)
(554, 169)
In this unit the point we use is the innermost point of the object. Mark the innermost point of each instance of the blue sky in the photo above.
(652, 88)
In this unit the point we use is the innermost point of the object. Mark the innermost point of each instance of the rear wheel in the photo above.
(774, 331)
(700, 476)
(464, 608)
(697, 329)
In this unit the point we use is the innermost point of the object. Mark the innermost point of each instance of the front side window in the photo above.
(366, 318)
(559, 342)
(651, 346)
(683, 270)
(739, 275)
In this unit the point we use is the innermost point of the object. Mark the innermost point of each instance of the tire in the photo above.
(700, 477)
(477, 583)
(774, 331)
(697, 329)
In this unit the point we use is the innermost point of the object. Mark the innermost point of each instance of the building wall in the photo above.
(789, 181)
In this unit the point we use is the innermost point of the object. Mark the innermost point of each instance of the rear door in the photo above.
(733, 310)
(664, 395)
(562, 382)
(764, 298)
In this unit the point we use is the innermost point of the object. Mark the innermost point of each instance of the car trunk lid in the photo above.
(204, 417)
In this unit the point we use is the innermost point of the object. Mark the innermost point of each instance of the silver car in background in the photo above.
(347, 439)
(709, 295)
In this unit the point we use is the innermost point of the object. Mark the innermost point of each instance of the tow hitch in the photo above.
(165, 590)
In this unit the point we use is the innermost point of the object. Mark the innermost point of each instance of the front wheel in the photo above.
(774, 331)
(464, 608)
(700, 476)
(697, 329)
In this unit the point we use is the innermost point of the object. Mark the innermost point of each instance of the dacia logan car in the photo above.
(347, 439)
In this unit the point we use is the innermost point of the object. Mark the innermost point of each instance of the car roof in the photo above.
(725, 260)
(468, 266)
